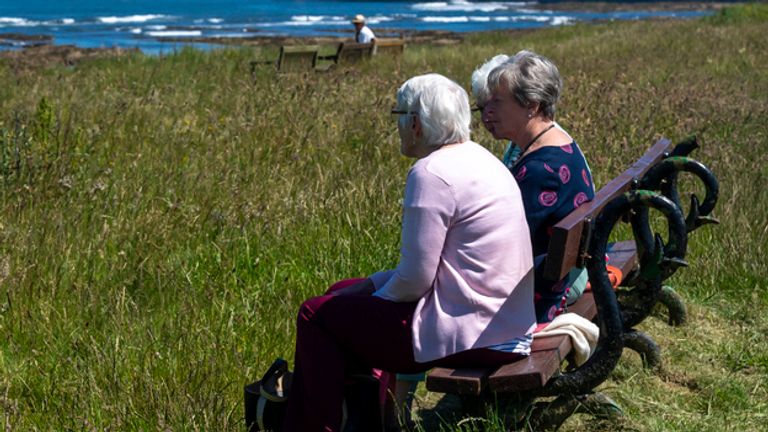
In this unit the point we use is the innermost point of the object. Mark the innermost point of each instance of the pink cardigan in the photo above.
(465, 255)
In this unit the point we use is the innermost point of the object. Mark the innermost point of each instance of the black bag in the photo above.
(265, 400)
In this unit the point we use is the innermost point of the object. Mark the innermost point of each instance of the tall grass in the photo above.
(163, 217)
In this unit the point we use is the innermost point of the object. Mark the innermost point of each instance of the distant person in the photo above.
(363, 33)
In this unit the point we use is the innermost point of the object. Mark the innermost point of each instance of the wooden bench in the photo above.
(298, 58)
(304, 58)
(292, 58)
(568, 248)
(350, 52)
(389, 46)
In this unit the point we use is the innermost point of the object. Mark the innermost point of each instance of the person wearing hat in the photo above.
(363, 34)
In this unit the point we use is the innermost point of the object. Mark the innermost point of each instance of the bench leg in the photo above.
(675, 305)
(642, 344)
(549, 416)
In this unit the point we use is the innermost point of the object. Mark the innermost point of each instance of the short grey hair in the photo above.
(441, 105)
(530, 78)
(480, 90)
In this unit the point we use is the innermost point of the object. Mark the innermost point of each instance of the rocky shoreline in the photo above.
(31, 51)
(40, 51)
(45, 55)
(24, 40)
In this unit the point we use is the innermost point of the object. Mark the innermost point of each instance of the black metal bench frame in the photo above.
(581, 240)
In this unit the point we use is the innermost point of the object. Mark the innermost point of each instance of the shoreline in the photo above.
(41, 50)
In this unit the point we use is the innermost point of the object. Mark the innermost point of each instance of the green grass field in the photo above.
(161, 219)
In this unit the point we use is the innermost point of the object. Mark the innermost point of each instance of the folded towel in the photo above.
(583, 333)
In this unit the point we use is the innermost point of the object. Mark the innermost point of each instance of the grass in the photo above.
(161, 218)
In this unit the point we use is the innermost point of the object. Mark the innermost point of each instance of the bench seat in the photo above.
(547, 353)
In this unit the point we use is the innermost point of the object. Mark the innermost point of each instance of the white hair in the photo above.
(529, 78)
(480, 89)
(442, 107)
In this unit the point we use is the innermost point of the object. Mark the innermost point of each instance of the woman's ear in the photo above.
(416, 126)
(533, 108)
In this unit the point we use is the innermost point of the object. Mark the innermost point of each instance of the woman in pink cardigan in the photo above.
(462, 293)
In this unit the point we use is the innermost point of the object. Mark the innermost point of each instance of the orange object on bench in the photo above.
(614, 274)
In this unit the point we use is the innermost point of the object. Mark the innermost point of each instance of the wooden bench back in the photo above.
(299, 58)
(565, 247)
(393, 46)
(354, 52)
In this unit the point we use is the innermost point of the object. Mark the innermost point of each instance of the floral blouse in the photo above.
(553, 182)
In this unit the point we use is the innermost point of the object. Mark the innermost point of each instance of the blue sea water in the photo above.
(157, 25)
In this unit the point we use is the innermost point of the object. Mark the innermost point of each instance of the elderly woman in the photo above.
(518, 102)
(482, 94)
(460, 295)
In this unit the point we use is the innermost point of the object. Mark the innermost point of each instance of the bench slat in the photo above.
(535, 370)
(623, 255)
(393, 46)
(297, 58)
(354, 52)
(549, 343)
(457, 381)
(472, 381)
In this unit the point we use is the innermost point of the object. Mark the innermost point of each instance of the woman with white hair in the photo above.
(462, 293)
(480, 89)
(518, 100)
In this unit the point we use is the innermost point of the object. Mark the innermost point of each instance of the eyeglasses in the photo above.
(402, 112)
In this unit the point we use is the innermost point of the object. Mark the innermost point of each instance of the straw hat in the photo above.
(358, 19)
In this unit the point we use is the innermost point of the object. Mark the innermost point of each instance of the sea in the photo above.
(157, 26)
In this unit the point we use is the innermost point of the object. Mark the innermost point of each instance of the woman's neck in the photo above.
(536, 135)
(429, 150)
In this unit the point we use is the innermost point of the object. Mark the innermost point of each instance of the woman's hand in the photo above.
(361, 288)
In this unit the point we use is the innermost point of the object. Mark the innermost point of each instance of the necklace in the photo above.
(525, 150)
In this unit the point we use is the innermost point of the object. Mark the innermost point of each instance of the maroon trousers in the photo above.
(339, 335)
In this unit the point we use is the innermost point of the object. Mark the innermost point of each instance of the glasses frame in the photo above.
(402, 112)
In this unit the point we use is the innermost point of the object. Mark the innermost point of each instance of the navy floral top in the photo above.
(553, 181)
